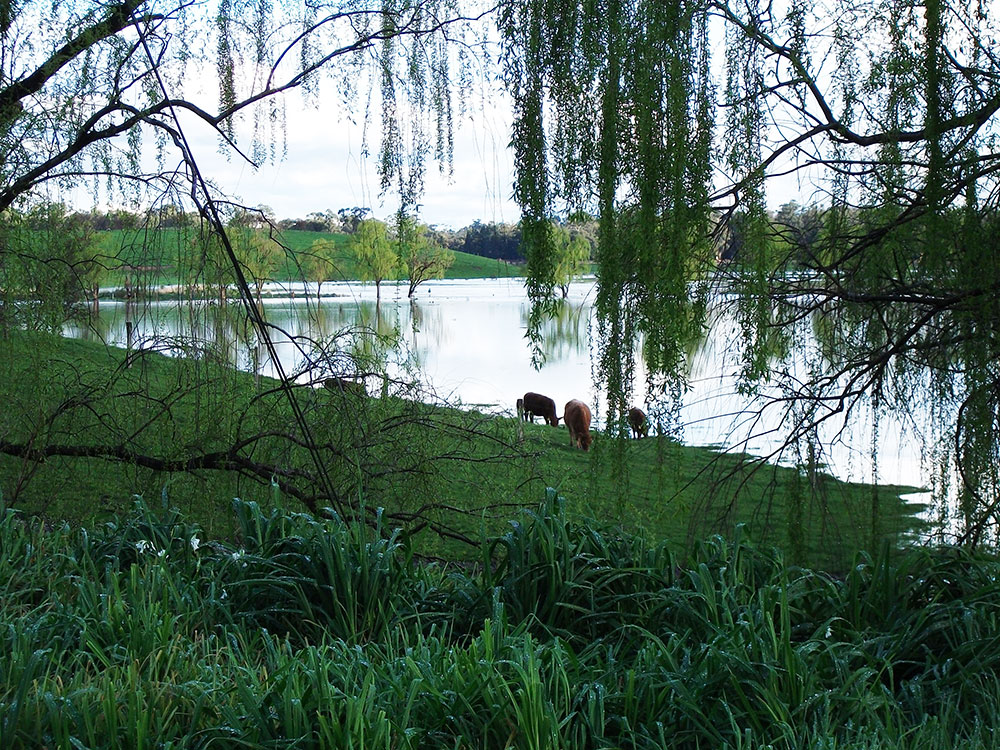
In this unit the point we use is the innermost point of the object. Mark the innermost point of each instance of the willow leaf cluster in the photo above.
(613, 115)
(85, 86)
(886, 111)
(881, 116)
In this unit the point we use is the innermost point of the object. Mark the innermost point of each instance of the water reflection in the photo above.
(465, 340)
(566, 333)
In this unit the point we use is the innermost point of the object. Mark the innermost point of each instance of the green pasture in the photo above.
(504, 591)
(440, 473)
(153, 258)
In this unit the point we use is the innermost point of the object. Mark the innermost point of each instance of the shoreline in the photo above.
(272, 290)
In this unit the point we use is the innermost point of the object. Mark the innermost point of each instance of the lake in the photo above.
(465, 340)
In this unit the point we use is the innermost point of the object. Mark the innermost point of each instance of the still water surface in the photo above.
(465, 340)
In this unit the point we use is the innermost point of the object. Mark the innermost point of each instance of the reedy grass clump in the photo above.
(309, 633)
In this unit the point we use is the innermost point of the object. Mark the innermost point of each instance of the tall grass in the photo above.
(309, 633)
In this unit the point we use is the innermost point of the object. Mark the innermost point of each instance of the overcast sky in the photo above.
(325, 168)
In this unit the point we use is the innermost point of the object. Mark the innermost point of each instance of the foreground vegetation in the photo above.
(142, 633)
(86, 427)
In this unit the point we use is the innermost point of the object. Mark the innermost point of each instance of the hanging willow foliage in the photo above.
(80, 82)
(85, 83)
(613, 111)
(884, 115)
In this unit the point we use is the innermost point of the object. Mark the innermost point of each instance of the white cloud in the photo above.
(327, 167)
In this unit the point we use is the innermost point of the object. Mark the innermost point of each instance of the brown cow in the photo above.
(535, 404)
(345, 385)
(637, 421)
(577, 418)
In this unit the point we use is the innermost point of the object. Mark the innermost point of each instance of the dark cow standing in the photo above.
(637, 421)
(577, 419)
(535, 404)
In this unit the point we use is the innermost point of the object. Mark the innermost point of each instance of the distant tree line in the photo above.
(71, 256)
(795, 234)
(795, 230)
(494, 240)
(497, 241)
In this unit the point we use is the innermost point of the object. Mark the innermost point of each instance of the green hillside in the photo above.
(157, 257)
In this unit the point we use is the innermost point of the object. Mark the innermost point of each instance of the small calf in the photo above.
(637, 421)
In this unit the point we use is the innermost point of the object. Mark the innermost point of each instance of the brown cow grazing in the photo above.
(577, 419)
(345, 385)
(637, 421)
(535, 404)
(520, 410)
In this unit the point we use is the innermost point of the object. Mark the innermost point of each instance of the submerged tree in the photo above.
(421, 259)
(572, 255)
(320, 263)
(375, 255)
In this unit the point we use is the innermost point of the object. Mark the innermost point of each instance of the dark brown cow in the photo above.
(637, 421)
(535, 404)
(345, 385)
(577, 419)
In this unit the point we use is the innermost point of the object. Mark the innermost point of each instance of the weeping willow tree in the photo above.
(113, 102)
(613, 111)
(675, 120)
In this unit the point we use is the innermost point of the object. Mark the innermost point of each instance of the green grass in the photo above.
(143, 632)
(160, 253)
(438, 472)
(468, 266)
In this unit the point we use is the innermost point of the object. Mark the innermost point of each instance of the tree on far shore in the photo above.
(259, 254)
(571, 251)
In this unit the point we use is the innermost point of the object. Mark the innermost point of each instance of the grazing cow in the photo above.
(535, 404)
(345, 385)
(520, 410)
(577, 419)
(637, 421)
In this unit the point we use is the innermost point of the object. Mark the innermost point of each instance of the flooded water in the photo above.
(466, 341)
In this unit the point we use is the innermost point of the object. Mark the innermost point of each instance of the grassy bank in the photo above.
(142, 632)
(94, 427)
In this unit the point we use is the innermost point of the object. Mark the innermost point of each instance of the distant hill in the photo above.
(154, 257)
